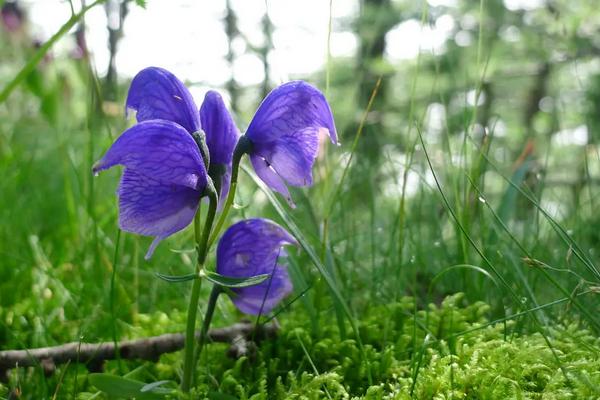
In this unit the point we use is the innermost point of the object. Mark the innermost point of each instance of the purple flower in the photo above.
(155, 93)
(285, 134)
(12, 16)
(81, 50)
(249, 248)
(163, 180)
(221, 137)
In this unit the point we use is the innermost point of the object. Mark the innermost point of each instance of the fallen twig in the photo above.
(150, 348)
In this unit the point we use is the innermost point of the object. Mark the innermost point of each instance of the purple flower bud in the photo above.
(221, 136)
(249, 248)
(163, 180)
(285, 135)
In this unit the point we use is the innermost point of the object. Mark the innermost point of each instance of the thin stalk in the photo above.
(202, 246)
(210, 309)
(113, 315)
(188, 359)
(243, 146)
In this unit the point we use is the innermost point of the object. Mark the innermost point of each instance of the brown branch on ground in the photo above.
(151, 348)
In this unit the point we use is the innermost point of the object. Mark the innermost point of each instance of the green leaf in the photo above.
(117, 386)
(141, 3)
(154, 385)
(231, 282)
(176, 278)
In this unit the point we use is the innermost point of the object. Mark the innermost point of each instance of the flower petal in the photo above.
(290, 108)
(159, 149)
(156, 93)
(149, 207)
(268, 175)
(225, 185)
(249, 248)
(262, 298)
(221, 133)
(292, 155)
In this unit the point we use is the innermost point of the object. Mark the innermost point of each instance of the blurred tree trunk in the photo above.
(536, 94)
(232, 32)
(267, 27)
(116, 11)
(372, 26)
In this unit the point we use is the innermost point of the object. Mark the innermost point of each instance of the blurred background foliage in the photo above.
(476, 166)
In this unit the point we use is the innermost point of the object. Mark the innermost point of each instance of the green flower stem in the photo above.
(210, 309)
(189, 334)
(188, 361)
(243, 146)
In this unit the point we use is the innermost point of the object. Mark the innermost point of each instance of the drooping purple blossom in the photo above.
(80, 51)
(163, 180)
(221, 137)
(285, 135)
(12, 16)
(253, 247)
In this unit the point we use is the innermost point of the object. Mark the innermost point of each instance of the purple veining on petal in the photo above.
(249, 248)
(221, 132)
(162, 150)
(151, 208)
(163, 180)
(156, 93)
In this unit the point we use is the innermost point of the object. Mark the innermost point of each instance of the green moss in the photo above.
(492, 362)
(452, 351)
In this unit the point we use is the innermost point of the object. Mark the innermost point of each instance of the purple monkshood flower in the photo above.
(285, 135)
(284, 132)
(156, 93)
(163, 180)
(252, 247)
(221, 137)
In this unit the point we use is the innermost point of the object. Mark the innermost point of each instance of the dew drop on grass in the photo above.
(481, 199)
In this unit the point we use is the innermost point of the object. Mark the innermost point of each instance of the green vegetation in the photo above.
(458, 243)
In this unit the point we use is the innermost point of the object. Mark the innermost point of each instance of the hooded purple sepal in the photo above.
(163, 180)
(285, 135)
(249, 248)
(221, 132)
(156, 93)
(221, 137)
